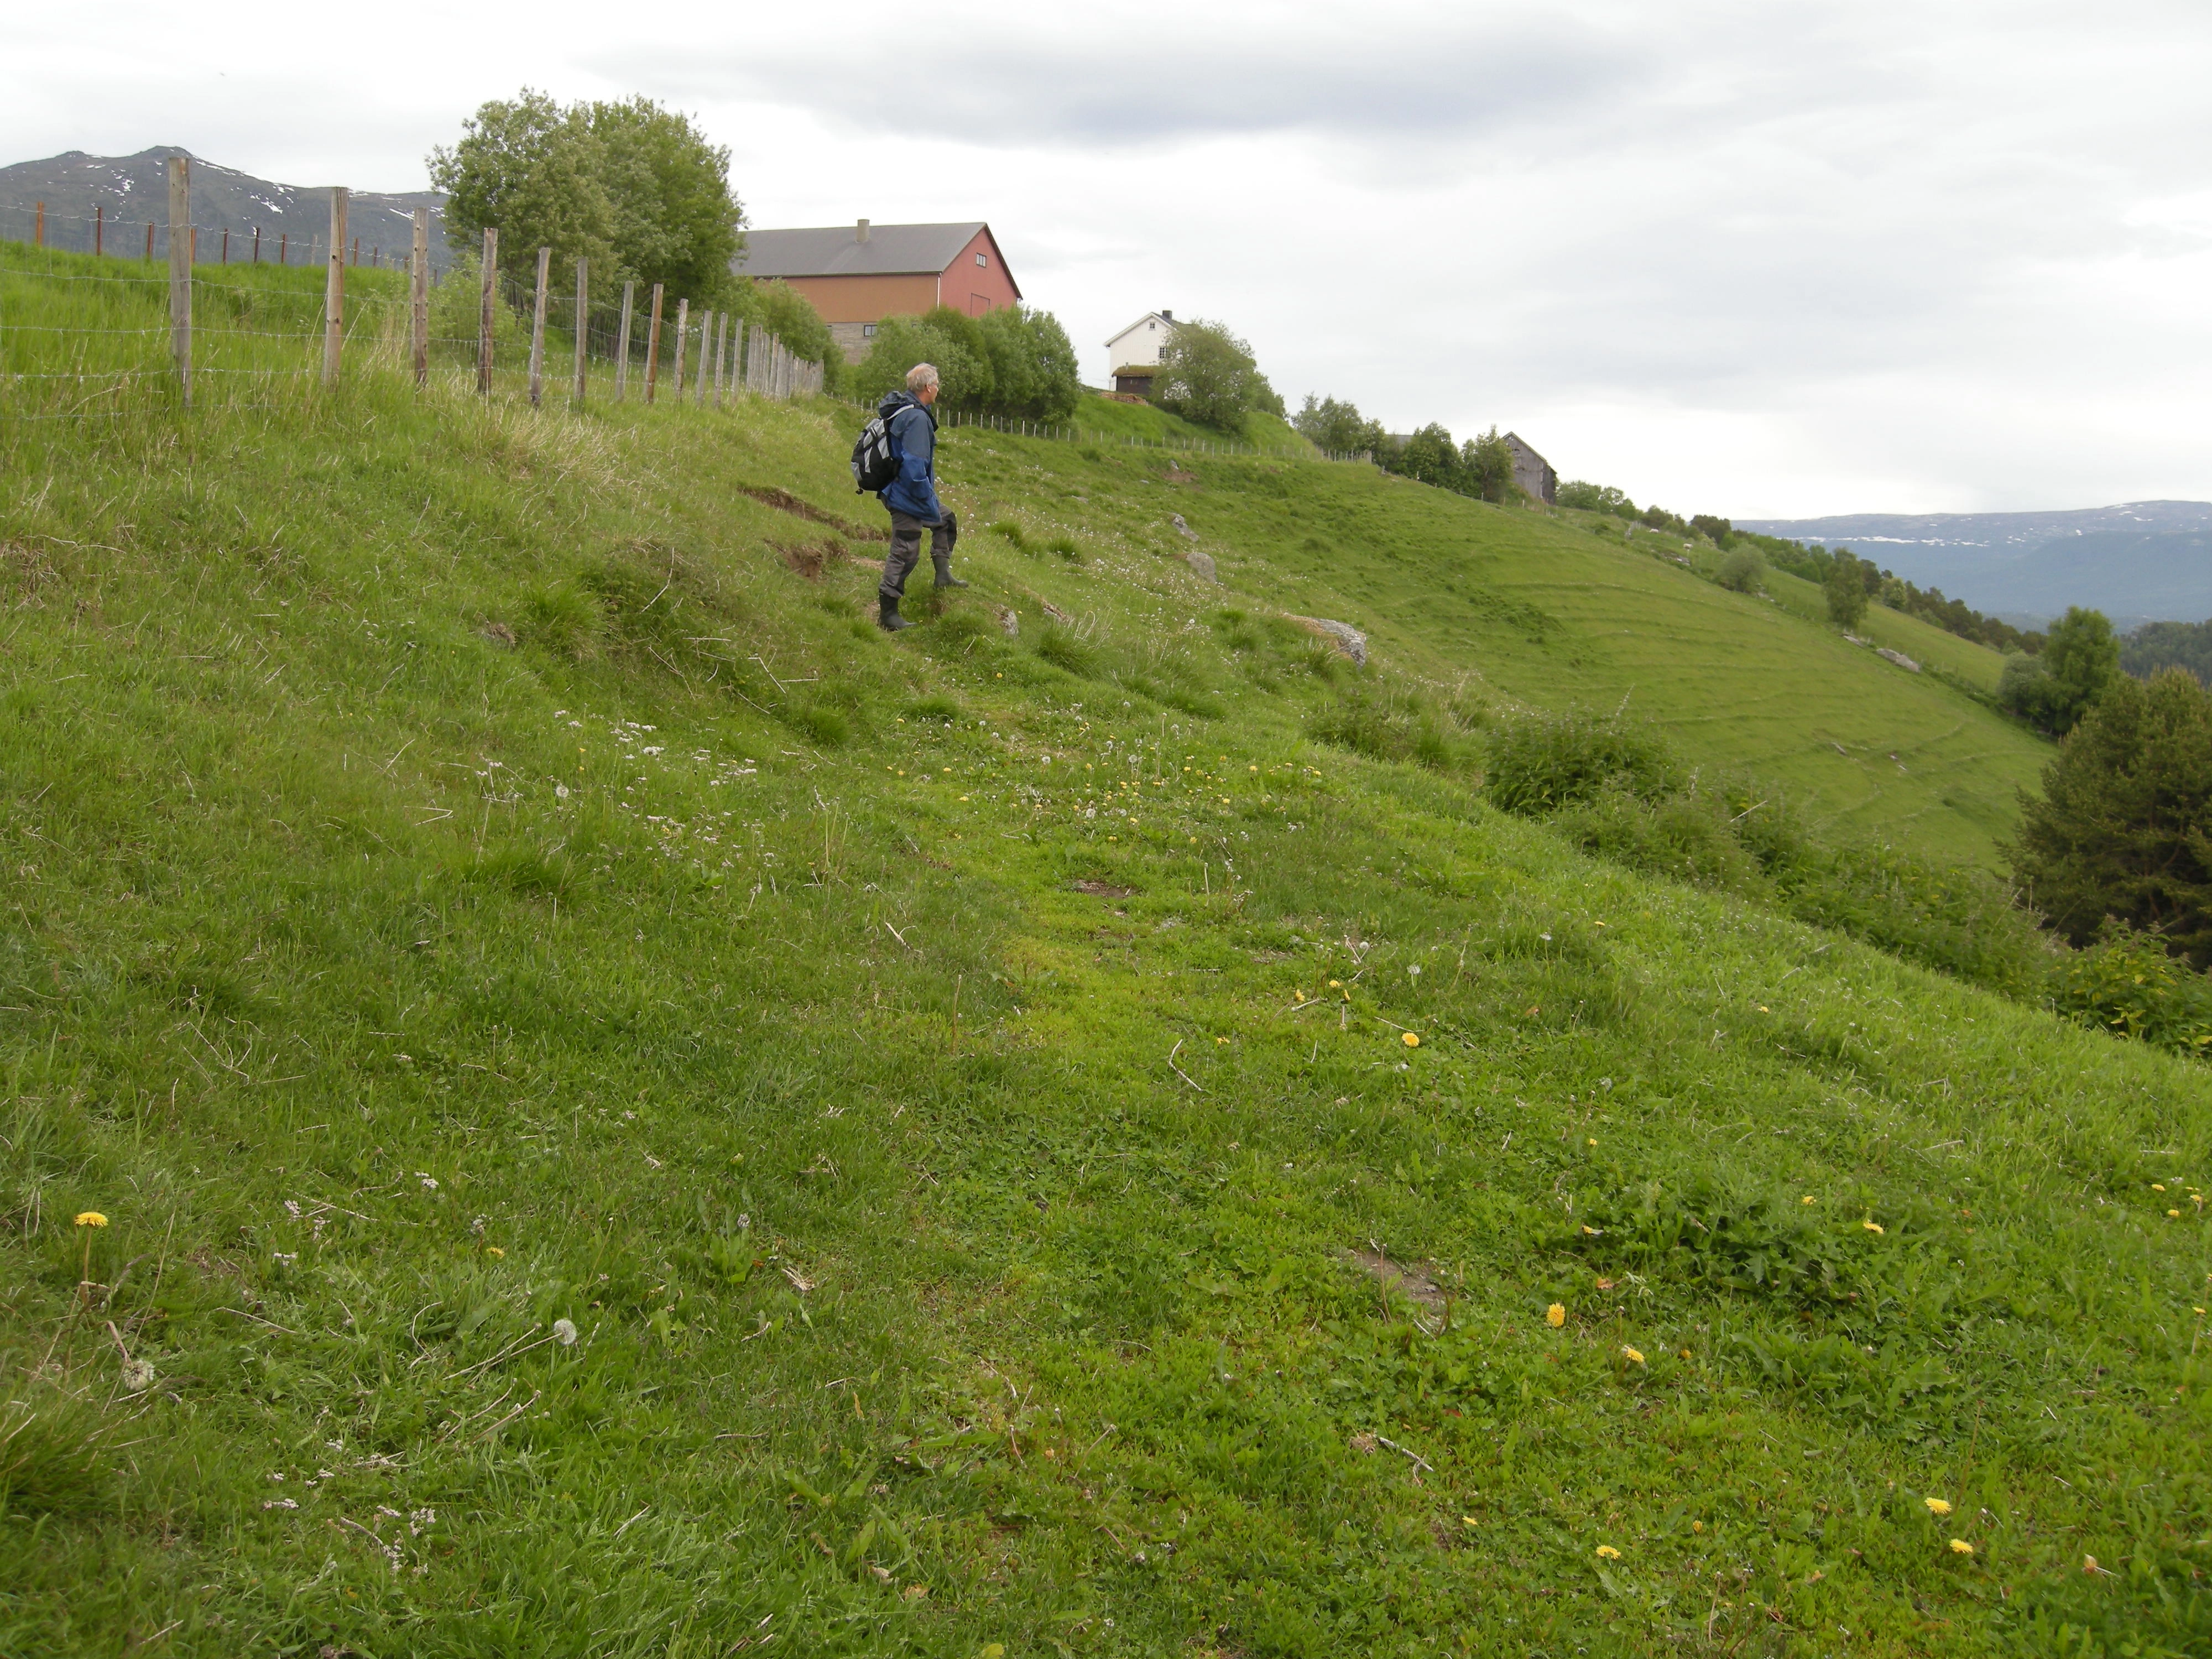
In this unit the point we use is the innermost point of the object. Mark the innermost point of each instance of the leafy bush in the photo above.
(1013, 362)
(2128, 982)
(1741, 571)
(1846, 593)
(1538, 765)
(1338, 426)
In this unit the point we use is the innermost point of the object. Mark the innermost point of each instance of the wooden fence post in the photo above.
(418, 283)
(706, 334)
(334, 288)
(683, 311)
(39, 235)
(99, 233)
(621, 343)
(149, 241)
(653, 347)
(722, 357)
(583, 322)
(537, 331)
(180, 272)
(484, 310)
(256, 245)
(225, 245)
(283, 247)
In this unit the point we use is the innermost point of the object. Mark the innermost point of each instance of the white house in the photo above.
(1138, 347)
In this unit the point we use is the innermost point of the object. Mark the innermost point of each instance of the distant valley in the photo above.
(2137, 561)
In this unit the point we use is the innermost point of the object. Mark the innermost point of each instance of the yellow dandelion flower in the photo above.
(1634, 1357)
(1807, 1199)
(1607, 1553)
(2173, 1215)
(1961, 1547)
(1936, 1505)
(1555, 1316)
(1696, 1525)
(495, 1253)
(91, 1219)
(1412, 1040)
(2158, 1186)
(1593, 1141)
(1871, 1226)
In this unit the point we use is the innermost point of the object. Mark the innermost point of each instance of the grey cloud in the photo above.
(1448, 84)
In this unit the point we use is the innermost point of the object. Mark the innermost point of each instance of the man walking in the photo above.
(911, 496)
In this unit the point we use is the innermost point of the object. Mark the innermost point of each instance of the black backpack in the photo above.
(875, 462)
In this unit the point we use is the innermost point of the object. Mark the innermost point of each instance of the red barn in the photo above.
(856, 276)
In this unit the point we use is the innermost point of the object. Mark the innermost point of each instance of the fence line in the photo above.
(729, 353)
(1021, 429)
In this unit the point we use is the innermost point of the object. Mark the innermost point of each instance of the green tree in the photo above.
(632, 187)
(1581, 493)
(1717, 530)
(2120, 829)
(2082, 658)
(531, 170)
(1208, 376)
(1429, 456)
(1338, 426)
(1485, 467)
(1033, 367)
(675, 220)
(1846, 592)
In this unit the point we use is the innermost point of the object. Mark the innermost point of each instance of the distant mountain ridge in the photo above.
(2134, 561)
(133, 190)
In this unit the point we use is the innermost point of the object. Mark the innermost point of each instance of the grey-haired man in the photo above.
(911, 498)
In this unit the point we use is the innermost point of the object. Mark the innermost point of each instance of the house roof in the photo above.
(1149, 316)
(836, 251)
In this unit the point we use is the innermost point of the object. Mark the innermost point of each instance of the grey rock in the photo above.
(1175, 519)
(1348, 639)
(1203, 564)
(1900, 659)
(1010, 622)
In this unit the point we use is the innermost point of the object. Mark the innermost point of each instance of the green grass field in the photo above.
(635, 1114)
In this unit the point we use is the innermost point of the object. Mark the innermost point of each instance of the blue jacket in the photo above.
(914, 440)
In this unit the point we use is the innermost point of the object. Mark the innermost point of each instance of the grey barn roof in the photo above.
(832, 251)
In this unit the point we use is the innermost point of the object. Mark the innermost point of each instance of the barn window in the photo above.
(982, 259)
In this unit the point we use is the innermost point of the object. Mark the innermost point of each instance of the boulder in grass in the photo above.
(1175, 519)
(1346, 638)
(1203, 564)
(1899, 658)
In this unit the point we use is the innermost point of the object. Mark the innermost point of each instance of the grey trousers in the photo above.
(905, 550)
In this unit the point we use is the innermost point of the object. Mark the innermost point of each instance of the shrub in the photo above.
(2129, 983)
(1538, 765)
(1396, 725)
(1741, 571)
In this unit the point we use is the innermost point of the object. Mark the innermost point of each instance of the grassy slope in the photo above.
(961, 1258)
(1543, 613)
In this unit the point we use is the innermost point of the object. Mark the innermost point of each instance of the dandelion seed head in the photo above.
(564, 1332)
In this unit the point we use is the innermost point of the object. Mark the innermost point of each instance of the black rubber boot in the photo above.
(889, 621)
(945, 576)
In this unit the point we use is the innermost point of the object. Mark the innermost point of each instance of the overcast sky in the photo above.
(1752, 258)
